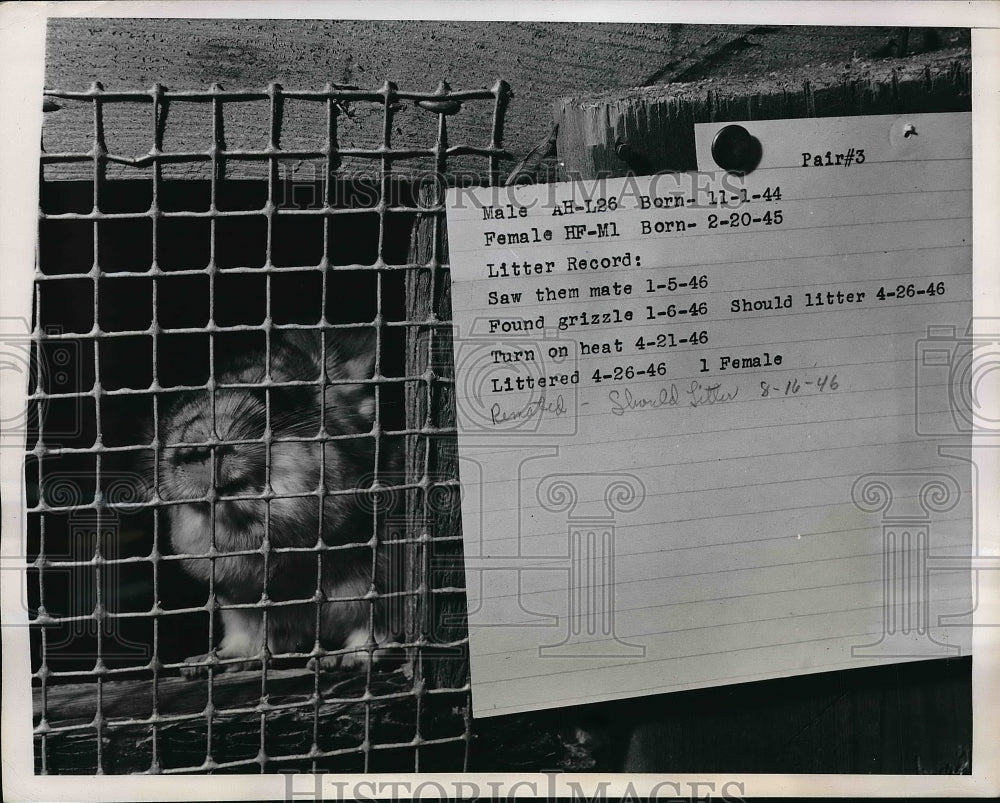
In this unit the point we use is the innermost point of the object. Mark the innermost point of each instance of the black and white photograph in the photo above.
(603, 403)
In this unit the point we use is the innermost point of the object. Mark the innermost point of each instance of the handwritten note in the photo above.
(698, 442)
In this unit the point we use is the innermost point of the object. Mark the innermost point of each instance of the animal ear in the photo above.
(296, 354)
(350, 354)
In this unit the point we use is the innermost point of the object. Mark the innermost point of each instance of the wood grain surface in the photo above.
(649, 129)
(541, 61)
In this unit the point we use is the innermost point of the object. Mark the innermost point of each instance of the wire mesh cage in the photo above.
(244, 539)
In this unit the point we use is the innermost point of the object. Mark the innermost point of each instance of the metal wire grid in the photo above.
(418, 536)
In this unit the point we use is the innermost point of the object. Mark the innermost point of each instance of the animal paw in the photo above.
(329, 663)
(197, 666)
(358, 658)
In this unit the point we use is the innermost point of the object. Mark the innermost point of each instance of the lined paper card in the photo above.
(699, 415)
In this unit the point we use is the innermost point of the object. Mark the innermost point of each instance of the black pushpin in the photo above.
(735, 149)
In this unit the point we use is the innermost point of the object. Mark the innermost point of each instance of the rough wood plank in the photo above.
(340, 720)
(76, 703)
(435, 511)
(649, 129)
(541, 61)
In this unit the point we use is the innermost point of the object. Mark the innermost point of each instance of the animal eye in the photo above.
(190, 455)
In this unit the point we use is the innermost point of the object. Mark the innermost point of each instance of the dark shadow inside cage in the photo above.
(320, 267)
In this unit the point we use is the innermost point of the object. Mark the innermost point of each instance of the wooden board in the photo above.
(541, 61)
(650, 129)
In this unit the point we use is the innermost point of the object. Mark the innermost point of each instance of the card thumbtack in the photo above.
(736, 150)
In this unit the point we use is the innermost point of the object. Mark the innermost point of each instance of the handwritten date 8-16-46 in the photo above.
(796, 387)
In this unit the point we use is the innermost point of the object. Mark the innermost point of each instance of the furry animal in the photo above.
(245, 523)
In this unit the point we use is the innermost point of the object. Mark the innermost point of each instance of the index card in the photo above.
(698, 426)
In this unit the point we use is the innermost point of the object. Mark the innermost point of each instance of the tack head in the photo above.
(736, 150)
(441, 106)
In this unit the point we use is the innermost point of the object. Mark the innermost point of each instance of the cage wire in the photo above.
(116, 330)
